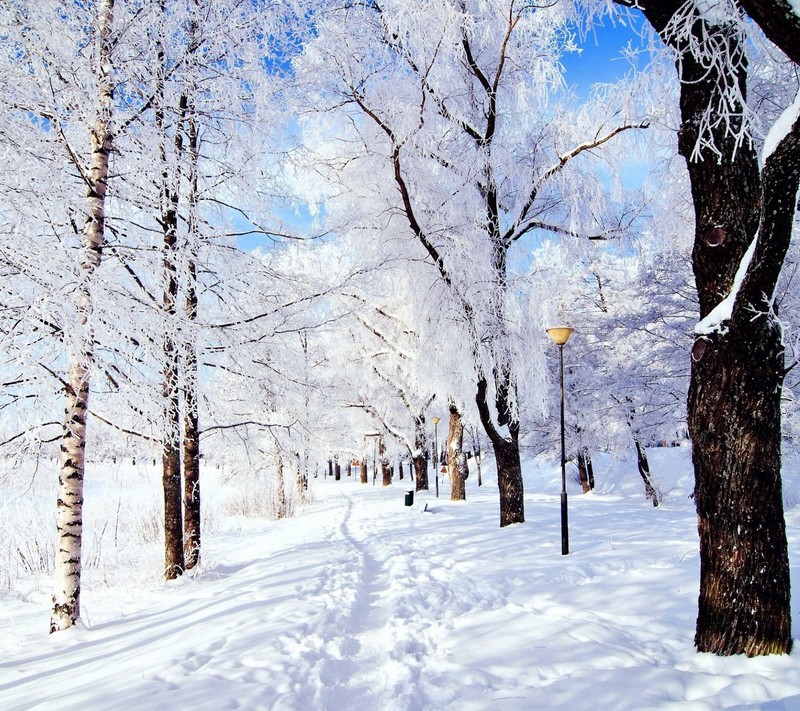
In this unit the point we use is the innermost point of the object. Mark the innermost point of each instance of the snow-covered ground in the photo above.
(359, 602)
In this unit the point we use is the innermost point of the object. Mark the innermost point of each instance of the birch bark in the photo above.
(67, 587)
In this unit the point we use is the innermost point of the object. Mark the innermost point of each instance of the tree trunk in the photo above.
(737, 368)
(191, 422)
(386, 470)
(364, 472)
(191, 477)
(476, 451)
(651, 491)
(174, 562)
(455, 455)
(69, 521)
(509, 467)
(280, 505)
(584, 464)
(419, 459)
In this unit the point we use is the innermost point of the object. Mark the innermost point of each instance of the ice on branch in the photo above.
(722, 312)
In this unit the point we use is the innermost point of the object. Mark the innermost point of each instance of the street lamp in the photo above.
(436, 421)
(560, 336)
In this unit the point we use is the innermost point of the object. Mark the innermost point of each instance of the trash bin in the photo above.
(410, 498)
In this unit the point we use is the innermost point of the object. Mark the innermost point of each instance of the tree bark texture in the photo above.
(651, 491)
(509, 467)
(737, 370)
(69, 517)
(419, 460)
(174, 563)
(455, 455)
(191, 422)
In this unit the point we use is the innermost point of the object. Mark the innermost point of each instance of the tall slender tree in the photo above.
(66, 596)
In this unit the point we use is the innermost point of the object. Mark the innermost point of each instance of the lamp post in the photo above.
(560, 336)
(435, 421)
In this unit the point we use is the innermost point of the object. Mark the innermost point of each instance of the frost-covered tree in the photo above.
(744, 186)
(445, 115)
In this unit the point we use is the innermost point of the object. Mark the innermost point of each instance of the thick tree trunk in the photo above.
(737, 367)
(419, 460)
(364, 472)
(69, 521)
(734, 423)
(455, 455)
(509, 467)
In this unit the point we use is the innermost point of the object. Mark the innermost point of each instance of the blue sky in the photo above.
(600, 59)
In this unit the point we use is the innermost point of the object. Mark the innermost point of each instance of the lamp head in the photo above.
(560, 334)
(436, 420)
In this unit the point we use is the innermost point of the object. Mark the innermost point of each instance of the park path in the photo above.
(327, 610)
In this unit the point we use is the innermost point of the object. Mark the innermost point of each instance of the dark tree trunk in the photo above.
(173, 518)
(191, 484)
(651, 491)
(400, 470)
(509, 468)
(420, 459)
(337, 470)
(191, 424)
(171, 459)
(455, 455)
(364, 474)
(736, 378)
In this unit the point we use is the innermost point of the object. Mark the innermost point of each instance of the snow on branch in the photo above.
(722, 312)
(781, 128)
(514, 233)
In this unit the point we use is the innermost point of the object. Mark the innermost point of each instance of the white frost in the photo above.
(782, 126)
(724, 309)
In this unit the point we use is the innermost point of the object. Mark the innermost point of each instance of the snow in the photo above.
(781, 127)
(359, 602)
(724, 309)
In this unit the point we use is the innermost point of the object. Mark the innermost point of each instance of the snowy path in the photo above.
(361, 603)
